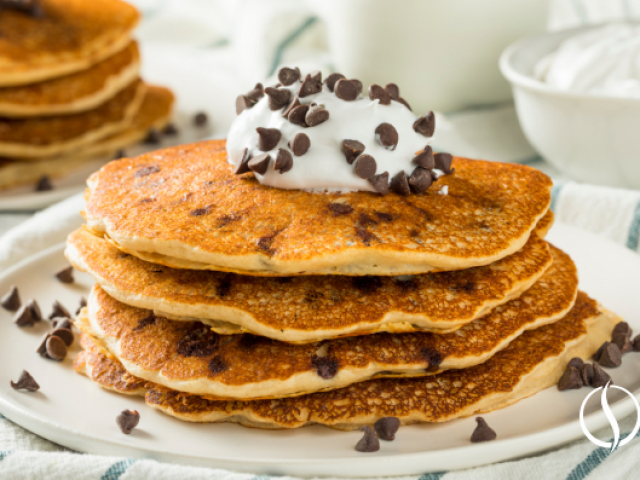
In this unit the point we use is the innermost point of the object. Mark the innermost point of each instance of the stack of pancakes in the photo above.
(69, 87)
(223, 300)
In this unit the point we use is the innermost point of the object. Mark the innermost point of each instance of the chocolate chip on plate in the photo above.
(586, 373)
(386, 427)
(387, 135)
(600, 377)
(636, 344)
(292, 104)
(61, 322)
(623, 342)
(260, 164)
(425, 125)
(23, 317)
(153, 137)
(278, 97)
(596, 355)
(36, 313)
(400, 184)
(44, 184)
(284, 161)
(56, 348)
(242, 103)
(25, 382)
(257, 93)
(11, 300)
(482, 432)
(425, 158)
(420, 180)
(366, 166)
(405, 103)
(369, 442)
(300, 144)
(170, 130)
(346, 90)
(42, 346)
(288, 76)
(332, 79)
(64, 334)
(443, 162)
(65, 275)
(128, 420)
(316, 115)
(611, 356)
(310, 86)
(576, 362)
(380, 183)
(570, 379)
(393, 90)
(297, 115)
(243, 164)
(358, 84)
(268, 138)
(622, 328)
(376, 92)
(119, 154)
(59, 311)
(351, 149)
(83, 303)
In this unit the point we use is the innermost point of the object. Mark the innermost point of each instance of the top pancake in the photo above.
(71, 35)
(183, 207)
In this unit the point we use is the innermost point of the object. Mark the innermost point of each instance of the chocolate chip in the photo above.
(201, 118)
(310, 86)
(570, 380)
(317, 76)
(380, 183)
(257, 93)
(346, 90)
(278, 97)
(576, 362)
(636, 344)
(33, 8)
(25, 382)
(596, 356)
(351, 149)
(198, 212)
(64, 334)
(292, 104)
(171, 130)
(200, 342)
(42, 346)
(316, 115)
(153, 137)
(393, 90)
(36, 313)
(44, 184)
(387, 136)
(260, 164)
(369, 442)
(325, 366)
(243, 164)
(300, 144)
(242, 103)
(611, 356)
(622, 328)
(83, 303)
(622, 341)
(425, 159)
(358, 84)
(143, 172)
(425, 125)
(217, 365)
(600, 377)
(297, 115)
(586, 374)
(145, 322)
(120, 154)
(23, 317)
(61, 322)
(482, 432)
(405, 103)
(340, 209)
(268, 138)
(332, 79)
(284, 161)
(367, 283)
(443, 162)
(59, 311)
(65, 275)
(11, 300)
(376, 92)
(400, 184)
(420, 180)
(288, 76)
(366, 166)
(56, 348)
(386, 427)
(128, 420)
(433, 357)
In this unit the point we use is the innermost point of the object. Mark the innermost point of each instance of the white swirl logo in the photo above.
(612, 420)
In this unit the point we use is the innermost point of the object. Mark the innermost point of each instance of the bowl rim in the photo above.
(521, 80)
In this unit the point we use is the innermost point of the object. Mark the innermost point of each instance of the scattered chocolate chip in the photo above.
(25, 382)
(44, 184)
(340, 209)
(376, 92)
(310, 86)
(170, 130)
(346, 90)
(482, 432)
(200, 342)
(325, 366)
(61, 322)
(243, 164)
(636, 344)
(284, 161)
(217, 365)
(36, 313)
(332, 79)
(623, 342)
(316, 115)
(317, 76)
(443, 162)
(387, 136)
(351, 149)
(380, 183)
(288, 76)
(366, 166)
(257, 93)
(425, 125)
(268, 138)
(56, 348)
(405, 103)
(393, 90)
(64, 334)
(83, 303)
(420, 180)
(153, 137)
(242, 103)
(11, 300)
(425, 159)
(358, 84)
(260, 164)
(576, 362)
(143, 172)
(600, 377)
(611, 356)
(59, 311)
(298, 114)
(42, 346)
(120, 154)
(570, 380)
(65, 275)
(128, 420)
(23, 317)
(432, 357)
(400, 184)
(278, 97)
(386, 427)
(596, 356)
(369, 442)
(292, 104)
(586, 373)
(622, 328)
(300, 144)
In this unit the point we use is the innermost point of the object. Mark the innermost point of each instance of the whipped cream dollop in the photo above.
(383, 137)
(603, 61)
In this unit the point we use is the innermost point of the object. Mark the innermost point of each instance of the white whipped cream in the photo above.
(603, 61)
(324, 166)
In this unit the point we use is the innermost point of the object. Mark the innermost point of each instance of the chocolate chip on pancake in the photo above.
(425, 125)
(278, 97)
(369, 442)
(56, 348)
(58, 310)
(288, 76)
(217, 365)
(25, 382)
(242, 103)
(367, 283)
(316, 115)
(11, 300)
(387, 136)
(44, 184)
(297, 115)
(300, 144)
(432, 357)
(376, 92)
(351, 149)
(366, 166)
(570, 380)
(127, 421)
(292, 104)
(611, 356)
(153, 137)
(380, 183)
(332, 79)
(622, 341)
(198, 212)
(200, 342)
(310, 86)
(23, 317)
(144, 171)
(340, 209)
(325, 366)
(83, 303)
(420, 180)
(576, 362)
(400, 184)
(443, 162)
(346, 90)
(260, 164)
(386, 427)
(482, 432)
(268, 138)
(425, 159)
(600, 377)
(284, 161)
(145, 322)
(586, 373)
(64, 334)
(243, 164)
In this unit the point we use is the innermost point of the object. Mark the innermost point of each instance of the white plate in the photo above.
(73, 412)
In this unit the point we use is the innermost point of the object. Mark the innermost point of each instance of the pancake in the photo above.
(154, 348)
(545, 223)
(73, 93)
(35, 138)
(154, 113)
(183, 207)
(70, 36)
(532, 362)
(309, 308)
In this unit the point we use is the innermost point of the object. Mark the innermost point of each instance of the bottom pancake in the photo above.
(531, 363)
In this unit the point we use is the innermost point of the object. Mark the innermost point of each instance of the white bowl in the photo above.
(591, 138)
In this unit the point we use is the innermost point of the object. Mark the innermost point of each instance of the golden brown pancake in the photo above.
(154, 113)
(70, 36)
(73, 93)
(532, 362)
(183, 207)
(187, 356)
(309, 308)
(50, 136)
(545, 223)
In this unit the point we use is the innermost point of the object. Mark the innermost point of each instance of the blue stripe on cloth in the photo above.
(589, 464)
(555, 193)
(634, 230)
(277, 58)
(4, 454)
(2, 416)
(432, 476)
(116, 470)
